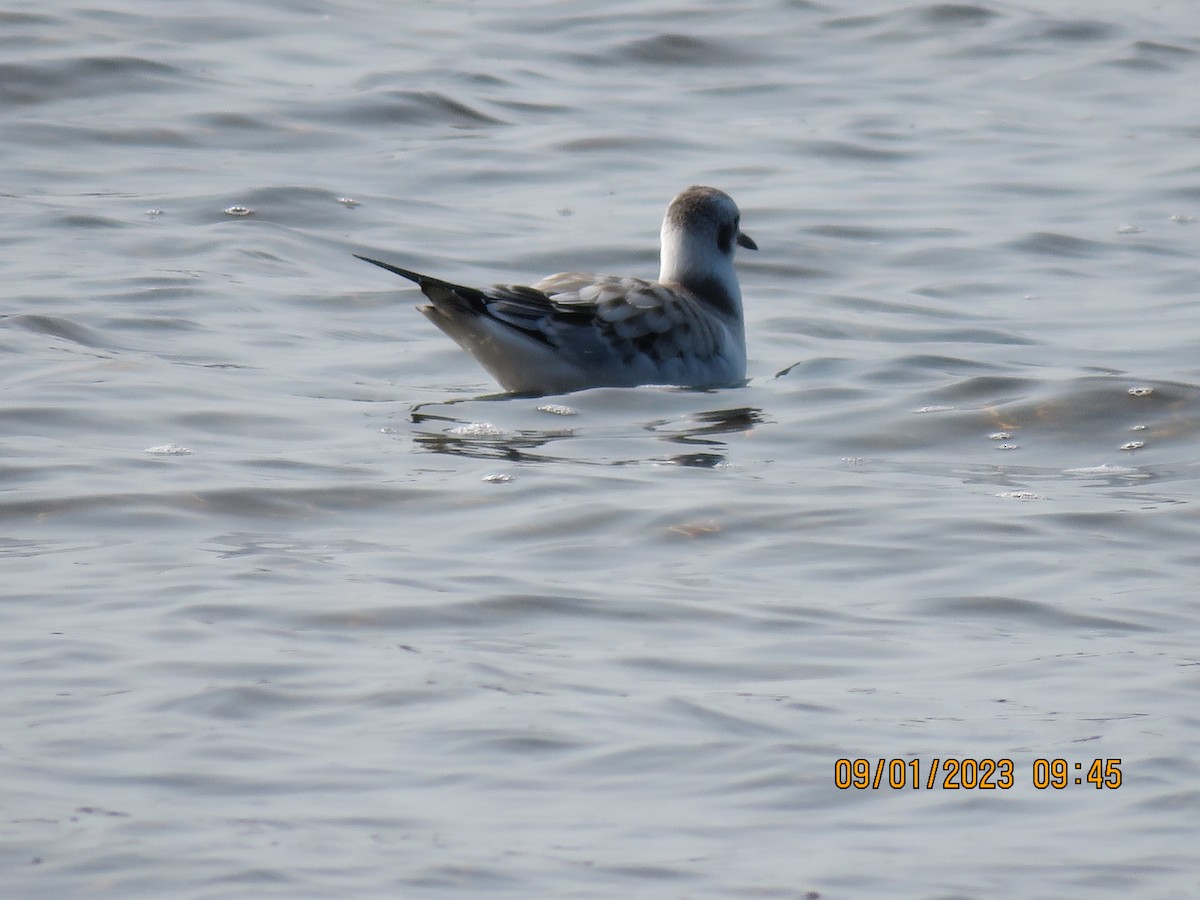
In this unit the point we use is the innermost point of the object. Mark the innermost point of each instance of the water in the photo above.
(293, 605)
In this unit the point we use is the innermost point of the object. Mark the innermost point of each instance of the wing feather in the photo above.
(645, 325)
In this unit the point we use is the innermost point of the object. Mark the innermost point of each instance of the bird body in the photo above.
(573, 331)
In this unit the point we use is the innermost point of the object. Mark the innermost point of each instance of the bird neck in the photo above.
(698, 268)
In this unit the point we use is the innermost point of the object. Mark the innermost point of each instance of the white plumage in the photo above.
(572, 331)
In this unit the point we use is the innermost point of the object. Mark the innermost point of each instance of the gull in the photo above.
(574, 331)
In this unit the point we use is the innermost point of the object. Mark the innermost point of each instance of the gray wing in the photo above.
(621, 316)
(585, 316)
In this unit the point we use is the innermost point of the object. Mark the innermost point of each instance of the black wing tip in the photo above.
(403, 273)
(437, 290)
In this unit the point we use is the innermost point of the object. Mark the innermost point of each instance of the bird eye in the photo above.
(725, 236)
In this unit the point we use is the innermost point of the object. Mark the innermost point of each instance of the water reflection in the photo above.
(456, 435)
(700, 427)
(483, 440)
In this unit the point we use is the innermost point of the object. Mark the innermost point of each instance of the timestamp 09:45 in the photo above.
(972, 774)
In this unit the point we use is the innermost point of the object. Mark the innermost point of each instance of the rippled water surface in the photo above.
(294, 604)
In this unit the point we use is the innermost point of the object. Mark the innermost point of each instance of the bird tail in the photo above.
(442, 293)
(404, 273)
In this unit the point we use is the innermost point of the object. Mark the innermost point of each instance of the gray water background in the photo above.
(291, 606)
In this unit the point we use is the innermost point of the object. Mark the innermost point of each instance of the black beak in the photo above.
(744, 240)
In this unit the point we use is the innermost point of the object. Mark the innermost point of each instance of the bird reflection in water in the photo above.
(705, 431)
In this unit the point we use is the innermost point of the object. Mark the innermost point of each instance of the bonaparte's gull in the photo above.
(573, 331)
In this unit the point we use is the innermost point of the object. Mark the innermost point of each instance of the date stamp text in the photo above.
(973, 774)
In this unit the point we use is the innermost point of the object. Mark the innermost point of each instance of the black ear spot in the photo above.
(725, 237)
